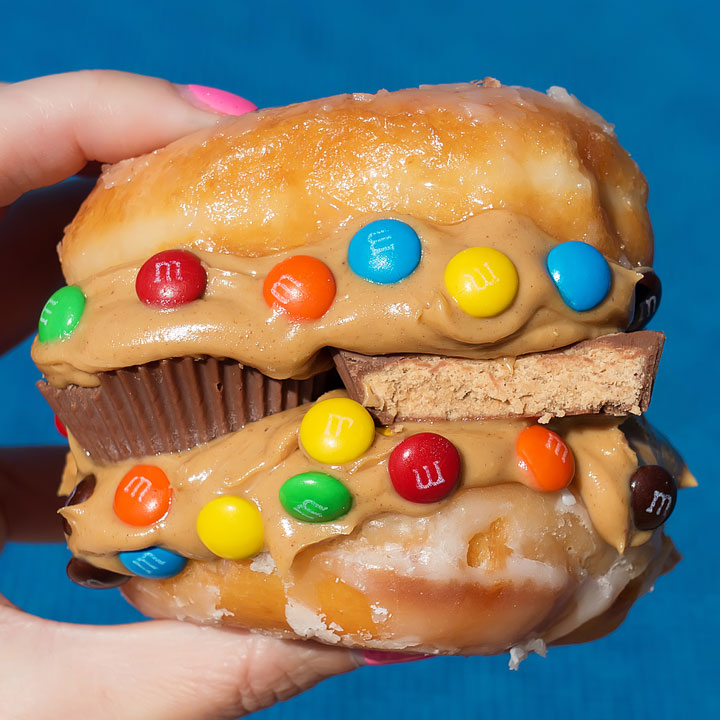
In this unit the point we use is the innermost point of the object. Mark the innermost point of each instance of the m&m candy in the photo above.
(336, 431)
(302, 287)
(648, 292)
(143, 496)
(81, 492)
(652, 496)
(315, 497)
(231, 528)
(89, 576)
(581, 273)
(547, 460)
(153, 562)
(384, 251)
(424, 468)
(60, 427)
(482, 281)
(171, 278)
(61, 314)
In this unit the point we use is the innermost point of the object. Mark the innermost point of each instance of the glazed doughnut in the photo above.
(369, 370)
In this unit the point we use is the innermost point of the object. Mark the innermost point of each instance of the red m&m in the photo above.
(143, 496)
(549, 462)
(171, 278)
(302, 287)
(424, 468)
(60, 427)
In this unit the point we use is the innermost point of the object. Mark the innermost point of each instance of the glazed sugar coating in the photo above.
(437, 154)
(491, 568)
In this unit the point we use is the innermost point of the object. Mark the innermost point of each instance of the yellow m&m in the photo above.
(337, 431)
(231, 528)
(482, 281)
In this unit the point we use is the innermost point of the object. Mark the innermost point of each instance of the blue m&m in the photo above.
(581, 273)
(385, 251)
(153, 562)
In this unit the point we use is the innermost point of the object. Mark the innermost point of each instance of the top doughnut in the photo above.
(288, 177)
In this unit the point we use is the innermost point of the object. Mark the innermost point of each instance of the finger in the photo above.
(29, 479)
(29, 233)
(159, 670)
(52, 126)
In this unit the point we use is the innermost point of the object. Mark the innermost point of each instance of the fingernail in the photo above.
(383, 657)
(219, 101)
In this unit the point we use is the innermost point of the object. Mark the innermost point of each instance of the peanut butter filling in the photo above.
(254, 462)
(415, 315)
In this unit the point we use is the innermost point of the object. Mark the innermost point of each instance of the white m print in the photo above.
(148, 562)
(310, 508)
(285, 289)
(168, 266)
(554, 442)
(665, 502)
(138, 483)
(429, 482)
(481, 279)
(336, 422)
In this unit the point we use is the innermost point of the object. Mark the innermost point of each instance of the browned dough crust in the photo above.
(477, 604)
(289, 177)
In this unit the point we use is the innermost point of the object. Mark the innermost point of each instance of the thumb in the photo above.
(155, 670)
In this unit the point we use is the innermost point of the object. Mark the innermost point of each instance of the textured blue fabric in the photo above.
(648, 66)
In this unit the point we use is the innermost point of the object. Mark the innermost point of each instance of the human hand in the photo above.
(51, 128)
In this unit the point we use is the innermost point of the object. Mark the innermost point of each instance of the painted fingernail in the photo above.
(382, 657)
(219, 101)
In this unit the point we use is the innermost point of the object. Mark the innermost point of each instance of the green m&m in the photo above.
(61, 314)
(315, 497)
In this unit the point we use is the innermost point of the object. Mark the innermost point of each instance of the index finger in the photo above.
(52, 126)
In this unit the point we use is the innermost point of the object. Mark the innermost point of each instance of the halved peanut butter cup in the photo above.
(172, 405)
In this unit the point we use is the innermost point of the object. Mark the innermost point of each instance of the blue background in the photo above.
(649, 68)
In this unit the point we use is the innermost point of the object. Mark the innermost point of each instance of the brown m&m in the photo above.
(81, 492)
(648, 292)
(652, 496)
(89, 576)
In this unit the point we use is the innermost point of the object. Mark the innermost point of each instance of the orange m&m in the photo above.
(302, 287)
(549, 462)
(143, 496)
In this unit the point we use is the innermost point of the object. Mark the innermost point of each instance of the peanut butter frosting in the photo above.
(413, 316)
(254, 462)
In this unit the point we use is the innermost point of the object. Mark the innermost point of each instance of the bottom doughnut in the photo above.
(497, 568)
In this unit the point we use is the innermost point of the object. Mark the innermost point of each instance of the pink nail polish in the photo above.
(221, 101)
(382, 657)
